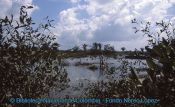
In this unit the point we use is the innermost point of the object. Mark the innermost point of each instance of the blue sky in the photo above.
(88, 21)
(49, 8)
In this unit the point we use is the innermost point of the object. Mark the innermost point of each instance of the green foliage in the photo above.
(160, 60)
(29, 66)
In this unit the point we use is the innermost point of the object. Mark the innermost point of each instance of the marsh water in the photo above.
(81, 75)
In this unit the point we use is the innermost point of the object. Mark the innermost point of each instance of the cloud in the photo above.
(75, 1)
(108, 21)
(9, 7)
(5, 5)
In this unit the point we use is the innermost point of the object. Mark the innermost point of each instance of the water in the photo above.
(80, 75)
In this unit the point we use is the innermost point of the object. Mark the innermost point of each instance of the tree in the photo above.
(108, 47)
(85, 47)
(29, 66)
(99, 46)
(75, 48)
(142, 50)
(123, 48)
(95, 46)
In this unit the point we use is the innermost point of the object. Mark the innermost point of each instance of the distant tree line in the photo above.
(95, 47)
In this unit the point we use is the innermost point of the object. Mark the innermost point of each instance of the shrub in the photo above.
(160, 80)
(29, 66)
(93, 67)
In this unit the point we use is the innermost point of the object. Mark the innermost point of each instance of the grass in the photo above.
(114, 54)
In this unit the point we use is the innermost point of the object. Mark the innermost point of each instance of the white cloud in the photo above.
(75, 1)
(5, 5)
(9, 7)
(108, 21)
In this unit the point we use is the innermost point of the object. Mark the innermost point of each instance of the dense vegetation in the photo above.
(160, 82)
(29, 66)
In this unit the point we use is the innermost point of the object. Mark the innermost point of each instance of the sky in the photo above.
(87, 21)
